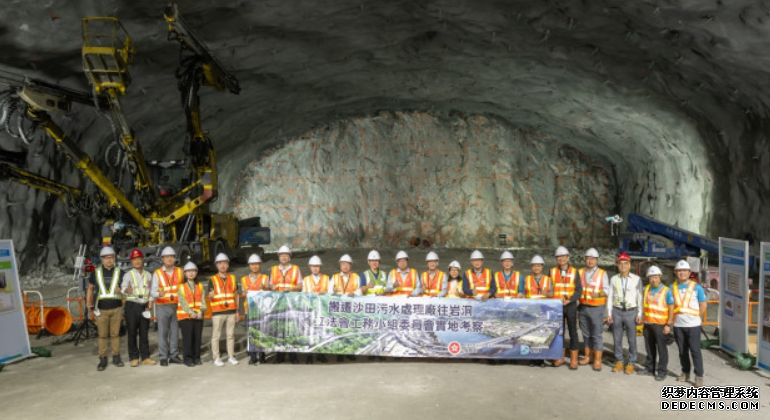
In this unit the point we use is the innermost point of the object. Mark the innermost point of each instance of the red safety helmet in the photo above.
(136, 254)
(624, 257)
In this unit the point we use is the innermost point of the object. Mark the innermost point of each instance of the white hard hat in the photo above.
(167, 251)
(654, 271)
(682, 265)
(477, 255)
(506, 256)
(401, 254)
(592, 252)
(254, 259)
(190, 266)
(373, 256)
(107, 250)
(432, 256)
(537, 260)
(561, 251)
(314, 260)
(455, 264)
(346, 258)
(221, 257)
(284, 249)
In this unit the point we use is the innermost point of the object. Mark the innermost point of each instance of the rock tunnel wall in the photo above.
(460, 181)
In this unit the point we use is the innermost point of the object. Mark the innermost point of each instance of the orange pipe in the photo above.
(56, 319)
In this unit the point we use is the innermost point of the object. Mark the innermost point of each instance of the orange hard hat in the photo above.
(624, 257)
(136, 254)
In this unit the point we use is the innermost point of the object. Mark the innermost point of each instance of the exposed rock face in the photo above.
(460, 181)
(669, 99)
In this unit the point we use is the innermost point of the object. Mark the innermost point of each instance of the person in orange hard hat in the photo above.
(136, 288)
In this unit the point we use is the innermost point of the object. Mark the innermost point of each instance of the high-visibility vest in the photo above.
(454, 289)
(193, 296)
(224, 293)
(508, 288)
(104, 292)
(139, 287)
(247, 285)
(535, 290)
(563, 287)
(480, 284)
(684, 305)
(347, 287)
(407, 284)
(598, 286)
(655, 306)
(309, 284)
(283, 282)
(432, 286)
(379, 280)
(168, 285)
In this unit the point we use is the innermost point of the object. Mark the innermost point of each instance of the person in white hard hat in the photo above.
(434, 281)
(593, 302)
(317, 282)
(136, 287)
(536, 286)
(689, 310)
(658, 317)
(373, 280)
(454, 281)
(402, 280)
(346, 282)
(568, 289)
(477, 281)
(165, 284)
(285, 277)
(223, 298)
(507, 281)
(190, 313)
(255, 281)
(104, 286)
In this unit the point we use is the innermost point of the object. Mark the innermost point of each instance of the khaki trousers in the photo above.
(217, 322)
(108, 324)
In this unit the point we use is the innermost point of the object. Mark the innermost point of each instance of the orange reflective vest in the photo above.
(563, 287)
(507, 288)
(655, 306)
(309, 285)
(479, 283)
(406, 284)
(432, 286)
(248, 286)
(169, 285)
(224, 293)
(598, 286)
(192, 296)
(535, 289)
(347, 287)
(683, 305)
(283, 282)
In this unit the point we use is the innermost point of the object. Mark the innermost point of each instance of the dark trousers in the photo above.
(136, 324)
(570, 321)
(688, 341)
(655, 344)
(192, 330)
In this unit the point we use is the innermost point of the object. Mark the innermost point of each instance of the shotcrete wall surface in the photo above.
(460, 181)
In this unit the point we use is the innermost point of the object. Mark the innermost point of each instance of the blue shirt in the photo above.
(698, 290)
(669, 296)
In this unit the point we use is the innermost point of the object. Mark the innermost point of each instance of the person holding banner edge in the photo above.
(373, 280)
(253, 282)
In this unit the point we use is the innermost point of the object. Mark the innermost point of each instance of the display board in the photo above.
(14, 341)
(763, 324)
(734, 295)
(405, 327)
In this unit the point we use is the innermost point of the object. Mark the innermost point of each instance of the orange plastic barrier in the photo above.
(706, 314)
(752, 306)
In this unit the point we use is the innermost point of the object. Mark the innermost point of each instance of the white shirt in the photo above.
(630, 292)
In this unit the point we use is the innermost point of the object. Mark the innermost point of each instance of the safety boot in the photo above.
(685, 377)
(597, 360)
(618, 367)
(698, 381)
(557, 363)
(573, 359)
(587, 357)
(102, 364)
(116, 361)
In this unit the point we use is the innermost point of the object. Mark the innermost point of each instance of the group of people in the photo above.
(588, 297)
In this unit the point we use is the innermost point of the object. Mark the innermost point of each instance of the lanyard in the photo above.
(624, 285)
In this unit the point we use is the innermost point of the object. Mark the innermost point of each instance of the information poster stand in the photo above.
(734, 295)
(14, 340)
(763, 324)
